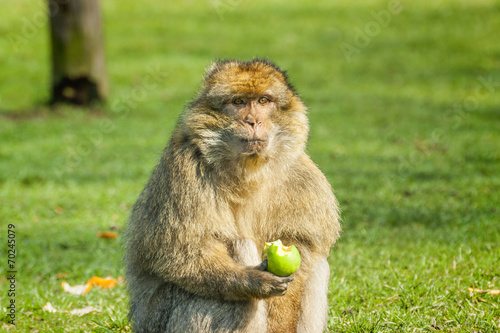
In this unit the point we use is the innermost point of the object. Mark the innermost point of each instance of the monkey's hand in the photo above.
(264, 284)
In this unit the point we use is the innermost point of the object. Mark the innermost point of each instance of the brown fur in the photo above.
(232, 177)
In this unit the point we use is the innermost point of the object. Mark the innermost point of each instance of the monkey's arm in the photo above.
(203, 266)
(210, 271)
(308, 208)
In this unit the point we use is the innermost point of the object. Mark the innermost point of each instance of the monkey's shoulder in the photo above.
(306, 176)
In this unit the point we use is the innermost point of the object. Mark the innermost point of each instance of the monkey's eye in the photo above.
(263, 100)
(238, 101)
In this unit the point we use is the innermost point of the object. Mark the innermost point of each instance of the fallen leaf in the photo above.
(76, 290)
(493, 292)
(49, 308)
(83, 311)
(107, 234)
(59, 210)
(77, 312)
(475, 290)
(107, 282)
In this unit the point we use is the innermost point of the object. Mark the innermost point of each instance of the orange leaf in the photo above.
(107, 282)
(107, 234)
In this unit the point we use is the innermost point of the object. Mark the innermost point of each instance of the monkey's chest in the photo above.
(244, 220)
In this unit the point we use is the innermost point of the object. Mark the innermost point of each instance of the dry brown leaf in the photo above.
(107, 234)
(59, 210)
(77, 312)
(493, 292)
(76, 290)
(49, 308)
(83, 311)
(475, 290)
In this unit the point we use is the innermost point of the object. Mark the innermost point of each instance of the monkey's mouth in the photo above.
(252, 140)
(253, 146)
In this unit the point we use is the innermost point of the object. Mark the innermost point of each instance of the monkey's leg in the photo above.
(171, 309)
(245, 252)
(201, 315)
(283, 310)
(313, 310)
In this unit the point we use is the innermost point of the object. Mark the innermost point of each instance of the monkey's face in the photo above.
(248, 112)
(252, 126)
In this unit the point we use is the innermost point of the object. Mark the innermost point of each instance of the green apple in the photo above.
(281, 260)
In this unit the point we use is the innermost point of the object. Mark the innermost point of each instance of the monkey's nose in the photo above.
(253, 121)
(254, 124)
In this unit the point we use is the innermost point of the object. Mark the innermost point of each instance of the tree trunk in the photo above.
(78, 71)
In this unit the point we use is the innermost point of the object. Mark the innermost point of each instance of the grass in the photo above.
(406, 130)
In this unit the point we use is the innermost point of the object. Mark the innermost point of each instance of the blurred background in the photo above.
(404, 108)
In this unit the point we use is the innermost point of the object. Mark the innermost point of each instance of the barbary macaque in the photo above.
(234, 175)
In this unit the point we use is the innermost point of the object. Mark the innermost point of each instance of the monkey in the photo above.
(234, 175)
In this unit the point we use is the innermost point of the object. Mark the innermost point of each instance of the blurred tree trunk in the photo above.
(78, 71)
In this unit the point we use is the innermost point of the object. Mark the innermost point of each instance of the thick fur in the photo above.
(314, 303)
(195, 234)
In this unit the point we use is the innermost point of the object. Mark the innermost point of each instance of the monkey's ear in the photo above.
(209, 71)
(212, 68)
(215, 66)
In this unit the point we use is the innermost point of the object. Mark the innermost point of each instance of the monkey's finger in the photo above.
(287, 279)
(262, 266)
(282, 289)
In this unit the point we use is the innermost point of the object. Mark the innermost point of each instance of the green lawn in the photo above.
(406, 127)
